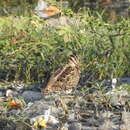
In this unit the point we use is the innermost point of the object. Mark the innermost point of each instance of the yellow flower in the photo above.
(40, 122)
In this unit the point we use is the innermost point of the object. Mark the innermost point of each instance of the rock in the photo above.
(44, 11)
(53, 22)
(116, 119)
(106, 115)
(36, 108)
(89, 128)
(95, 122)
(107, 125)
(65, 126)
(1, 94)
(61, 21)
(71, 116)
(75, 126)
(53, 127)
(36, 88)
(9, 93)
(64, 4)
(119, 81)
(41, 5)
(14, 112)
(20, 125)
(7, 125)
(2, 99)
(31, 96)
(126, 121)
(118, 97)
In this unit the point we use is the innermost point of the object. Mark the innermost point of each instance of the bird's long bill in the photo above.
(74, 60)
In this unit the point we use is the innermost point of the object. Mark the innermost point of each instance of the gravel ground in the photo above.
(75, 111)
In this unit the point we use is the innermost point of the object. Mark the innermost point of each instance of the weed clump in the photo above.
(30, 49)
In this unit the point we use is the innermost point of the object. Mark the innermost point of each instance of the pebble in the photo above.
(75, 126)
(1, 94)
(9, 93)
(31, 96)
(71, 116)
(107, 125)
(36, 108)
(7, 125)
(118, 97)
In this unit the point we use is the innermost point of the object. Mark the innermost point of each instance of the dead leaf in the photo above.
(51, 10)
(14, 104)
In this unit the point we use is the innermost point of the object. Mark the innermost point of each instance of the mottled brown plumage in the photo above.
(64, 78)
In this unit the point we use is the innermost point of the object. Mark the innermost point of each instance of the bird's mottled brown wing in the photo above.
(65, 78)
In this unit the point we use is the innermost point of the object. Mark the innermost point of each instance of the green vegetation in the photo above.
(30, 49)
